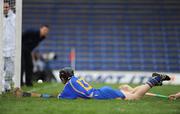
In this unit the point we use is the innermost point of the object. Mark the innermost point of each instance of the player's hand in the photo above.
(172, 97)
(17, 92)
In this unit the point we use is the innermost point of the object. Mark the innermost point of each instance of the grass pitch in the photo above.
(147, 105)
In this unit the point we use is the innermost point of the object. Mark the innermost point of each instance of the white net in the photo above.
(10, 18)
(1, 43)
(12, 4)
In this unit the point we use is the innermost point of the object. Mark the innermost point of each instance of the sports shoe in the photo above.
(163, 77)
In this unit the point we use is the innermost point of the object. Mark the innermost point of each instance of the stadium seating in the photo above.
(109, 35)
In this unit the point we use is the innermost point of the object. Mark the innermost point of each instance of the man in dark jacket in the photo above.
(30, 39)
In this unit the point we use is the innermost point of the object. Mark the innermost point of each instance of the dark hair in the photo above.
(47, 26)
(65, 74)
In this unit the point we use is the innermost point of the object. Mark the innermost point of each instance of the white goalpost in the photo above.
(18, 43)
(17, 7)
(1, 44)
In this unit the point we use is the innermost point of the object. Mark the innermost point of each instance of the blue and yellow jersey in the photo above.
(78, 88)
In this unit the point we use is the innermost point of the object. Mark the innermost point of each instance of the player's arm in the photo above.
(174, 96)
(19, 93)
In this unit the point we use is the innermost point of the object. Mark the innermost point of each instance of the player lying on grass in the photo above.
(174, 96)
(78, 88)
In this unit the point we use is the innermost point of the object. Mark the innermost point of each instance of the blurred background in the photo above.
(109, 35)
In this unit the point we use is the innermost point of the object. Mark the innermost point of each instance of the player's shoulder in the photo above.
(73, 78)
(31, 31)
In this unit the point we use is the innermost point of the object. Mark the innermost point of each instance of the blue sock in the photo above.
(45, 96)
(154, 81)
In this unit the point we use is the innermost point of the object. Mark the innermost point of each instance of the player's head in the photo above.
(65, 74)
(44, 30)
(6, 7)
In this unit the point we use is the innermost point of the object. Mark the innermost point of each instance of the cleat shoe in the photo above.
(164, 77)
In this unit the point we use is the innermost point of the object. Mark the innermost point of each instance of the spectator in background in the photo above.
(41, 69)
(30, 39)
(38, 62)
(8, 46)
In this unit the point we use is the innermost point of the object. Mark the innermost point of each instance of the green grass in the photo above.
(147, 105)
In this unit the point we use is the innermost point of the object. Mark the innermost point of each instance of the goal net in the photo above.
(10, 40)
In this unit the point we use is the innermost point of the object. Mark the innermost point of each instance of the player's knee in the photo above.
(137, 98)
(9, 73)
(133, 97)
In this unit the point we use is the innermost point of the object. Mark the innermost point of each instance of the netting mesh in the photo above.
(8, 41)
(12, 4)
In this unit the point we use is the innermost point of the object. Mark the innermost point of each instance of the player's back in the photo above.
(77, 88)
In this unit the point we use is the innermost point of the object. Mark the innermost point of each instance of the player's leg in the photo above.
(28, 68)
(9, 72)
(141, 90)
(126, 87)
(3, 73)
(22, 68)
